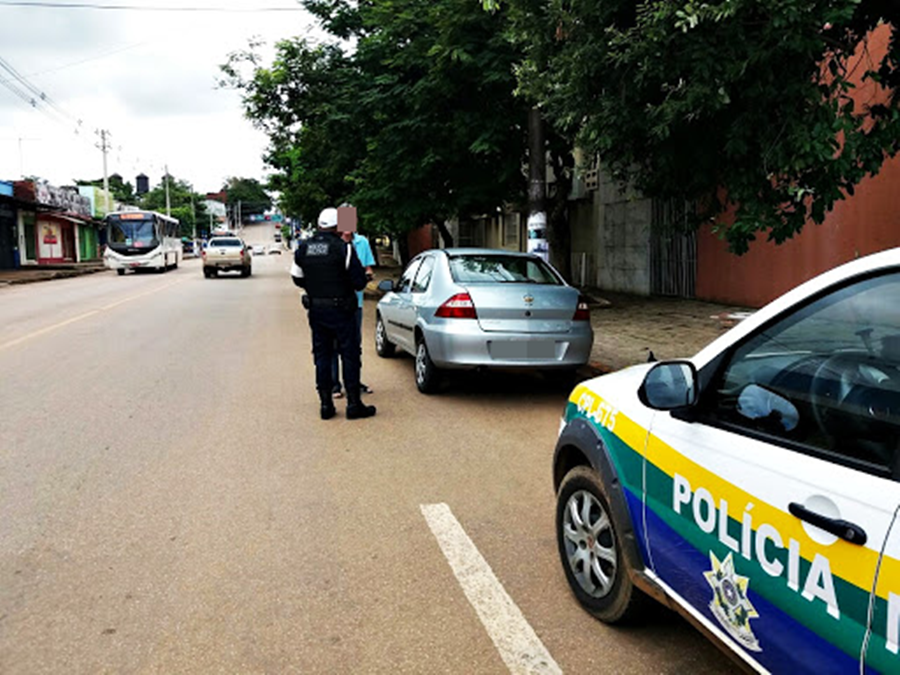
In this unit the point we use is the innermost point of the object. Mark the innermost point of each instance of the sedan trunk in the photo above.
(524, 308)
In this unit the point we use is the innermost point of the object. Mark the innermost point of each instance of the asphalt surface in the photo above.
(172, 503)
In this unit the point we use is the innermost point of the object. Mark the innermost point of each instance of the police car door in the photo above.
(768, 504)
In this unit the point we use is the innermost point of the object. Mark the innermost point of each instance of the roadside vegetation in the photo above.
(766, 111)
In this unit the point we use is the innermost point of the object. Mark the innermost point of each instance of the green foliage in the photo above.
(249, 193)
(743, 105)
(418, 124)
(186, 205)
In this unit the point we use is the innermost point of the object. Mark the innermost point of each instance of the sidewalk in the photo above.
(33, 273)
(628, 327)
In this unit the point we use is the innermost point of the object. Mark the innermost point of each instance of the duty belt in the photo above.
(331, 303)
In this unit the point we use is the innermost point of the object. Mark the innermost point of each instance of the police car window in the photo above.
(423, 276)
(827, 376)
(408, 275)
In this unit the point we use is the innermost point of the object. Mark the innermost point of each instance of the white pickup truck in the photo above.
(226, 254)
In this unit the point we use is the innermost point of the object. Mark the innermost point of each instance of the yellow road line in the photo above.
(74, 319)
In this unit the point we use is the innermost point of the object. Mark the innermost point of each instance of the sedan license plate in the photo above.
(522, 349)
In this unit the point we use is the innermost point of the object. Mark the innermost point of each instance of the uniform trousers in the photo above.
(335, 328)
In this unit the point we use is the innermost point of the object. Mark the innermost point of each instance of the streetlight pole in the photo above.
(166, 180)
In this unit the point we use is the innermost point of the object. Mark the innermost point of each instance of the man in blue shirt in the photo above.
(364, 253)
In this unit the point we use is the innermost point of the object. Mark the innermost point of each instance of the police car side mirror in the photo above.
(386, 285)
(670, 385)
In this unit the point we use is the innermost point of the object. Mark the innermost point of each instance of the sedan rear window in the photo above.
(503, 269)
(226, 242)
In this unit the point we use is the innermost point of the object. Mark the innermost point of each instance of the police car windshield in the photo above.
(502, 269)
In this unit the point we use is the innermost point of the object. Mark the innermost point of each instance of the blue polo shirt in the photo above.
(364, 253)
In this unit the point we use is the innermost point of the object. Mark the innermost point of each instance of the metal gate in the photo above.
(673, 250)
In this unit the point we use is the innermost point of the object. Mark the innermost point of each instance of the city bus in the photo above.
(142, 240)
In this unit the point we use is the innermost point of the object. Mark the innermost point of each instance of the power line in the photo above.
(36, 94)
(144, 8)
(102, 55)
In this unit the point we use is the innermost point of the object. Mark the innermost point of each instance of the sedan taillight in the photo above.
(582, 311)
(460, 306)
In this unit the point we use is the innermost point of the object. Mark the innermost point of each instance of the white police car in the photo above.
(753, 487)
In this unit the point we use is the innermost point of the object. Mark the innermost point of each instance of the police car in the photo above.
(754, 487)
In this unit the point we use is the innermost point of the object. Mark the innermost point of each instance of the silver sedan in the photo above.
(473, 308)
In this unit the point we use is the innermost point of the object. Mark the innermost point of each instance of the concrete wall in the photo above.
(611, 239)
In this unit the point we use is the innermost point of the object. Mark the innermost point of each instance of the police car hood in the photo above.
(625, 380)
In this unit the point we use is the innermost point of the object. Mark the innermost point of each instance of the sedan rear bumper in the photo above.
(462, 344)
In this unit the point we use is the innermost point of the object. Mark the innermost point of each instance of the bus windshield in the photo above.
(133, 233)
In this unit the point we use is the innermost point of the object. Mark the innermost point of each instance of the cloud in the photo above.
(148, 77)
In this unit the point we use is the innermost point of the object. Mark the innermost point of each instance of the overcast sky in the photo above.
(147, 77)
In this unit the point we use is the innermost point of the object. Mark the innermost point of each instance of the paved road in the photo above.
(172, 503)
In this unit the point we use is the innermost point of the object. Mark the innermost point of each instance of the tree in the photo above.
(249, 194)
(185, 204)
(417, 125)
(745, 105)
(306, 102)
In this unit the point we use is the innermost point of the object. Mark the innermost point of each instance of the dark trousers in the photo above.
(335, 374)
(335, 330)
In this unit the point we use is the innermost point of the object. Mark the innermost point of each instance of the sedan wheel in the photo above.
(427, 377)
(590, 549)
(383, 347)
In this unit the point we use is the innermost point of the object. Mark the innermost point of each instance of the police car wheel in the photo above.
(120, 272)
(590, 549)
(427, 378)
(383, 347)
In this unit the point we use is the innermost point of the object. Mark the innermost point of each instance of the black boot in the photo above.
(356, 410)
(327, 410)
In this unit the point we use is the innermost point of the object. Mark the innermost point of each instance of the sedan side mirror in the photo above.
(670, 385)
(386, 285)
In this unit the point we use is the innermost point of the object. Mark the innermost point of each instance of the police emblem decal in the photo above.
(730, 604)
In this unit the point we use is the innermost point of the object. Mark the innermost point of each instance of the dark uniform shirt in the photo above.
(328, 268)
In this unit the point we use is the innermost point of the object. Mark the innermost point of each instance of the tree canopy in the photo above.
(418, 124)
(186, 205)
(763, 107)
(249, 193)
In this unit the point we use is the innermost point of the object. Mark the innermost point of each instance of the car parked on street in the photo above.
(259, 249)
(226, 254)
(465, 308)
(275, 249)
(753, 487)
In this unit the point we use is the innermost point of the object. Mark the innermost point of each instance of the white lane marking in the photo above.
(47, 329)
(520, 648)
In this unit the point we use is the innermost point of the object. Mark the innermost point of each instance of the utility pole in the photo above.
(166, 180)
(104, 148)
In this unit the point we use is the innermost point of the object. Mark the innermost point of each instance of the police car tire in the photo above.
(120, 272)
(383, 347)
(624, 602)
(429, 380)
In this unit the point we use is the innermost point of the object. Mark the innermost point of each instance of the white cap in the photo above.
(328, 218)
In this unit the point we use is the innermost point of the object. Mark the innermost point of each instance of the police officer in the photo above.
(328, 269)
